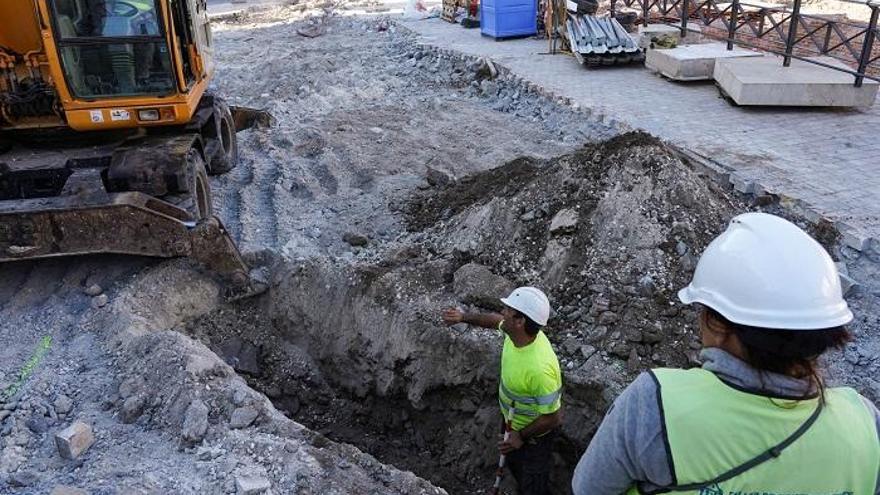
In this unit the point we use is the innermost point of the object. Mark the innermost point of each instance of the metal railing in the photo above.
(778, 30)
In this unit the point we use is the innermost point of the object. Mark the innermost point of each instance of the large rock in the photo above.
(241, 355)
(476, 284)
(132, 408)
(74, 440)
(242, 417)
(437, 178)
(195, 422)
(355, 239)
(564, 222)
(63, 404)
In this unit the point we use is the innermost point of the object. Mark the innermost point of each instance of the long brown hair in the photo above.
(788, 352)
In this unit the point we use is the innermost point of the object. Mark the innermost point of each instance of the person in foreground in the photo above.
(531, 385)
(756, 418)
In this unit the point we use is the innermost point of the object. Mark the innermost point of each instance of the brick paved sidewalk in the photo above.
(825, 161)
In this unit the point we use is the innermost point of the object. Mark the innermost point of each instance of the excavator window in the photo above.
(182, 23)
(112, 47)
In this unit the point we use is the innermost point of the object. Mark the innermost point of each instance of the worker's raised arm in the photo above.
(452, 316)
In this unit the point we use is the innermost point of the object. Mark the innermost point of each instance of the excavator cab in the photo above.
(112, 48)
(108, 133)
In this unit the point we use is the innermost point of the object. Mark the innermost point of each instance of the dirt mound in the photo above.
(476, 189)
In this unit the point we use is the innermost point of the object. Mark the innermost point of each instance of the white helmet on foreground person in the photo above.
(530, 302)
(764, 271)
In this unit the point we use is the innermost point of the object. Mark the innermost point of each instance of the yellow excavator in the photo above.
(108, 133)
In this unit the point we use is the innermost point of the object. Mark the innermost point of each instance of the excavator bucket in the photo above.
(123, 223)
(247, 118)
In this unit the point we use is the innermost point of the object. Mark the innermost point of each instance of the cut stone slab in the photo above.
(74, 440)
(691, 62)
(657, 31)
(764, 81)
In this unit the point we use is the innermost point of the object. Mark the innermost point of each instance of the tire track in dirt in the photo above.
(226, 190)
(258, 211)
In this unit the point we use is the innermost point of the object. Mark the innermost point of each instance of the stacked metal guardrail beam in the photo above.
(601, 41)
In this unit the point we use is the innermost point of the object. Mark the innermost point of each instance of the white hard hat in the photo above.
(764, 271)
(530, 302)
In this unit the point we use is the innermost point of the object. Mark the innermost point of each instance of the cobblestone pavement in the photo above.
(821, 161)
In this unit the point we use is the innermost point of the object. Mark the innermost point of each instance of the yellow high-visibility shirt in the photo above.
(531, 379)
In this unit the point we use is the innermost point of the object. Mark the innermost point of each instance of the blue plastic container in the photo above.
(508, 18)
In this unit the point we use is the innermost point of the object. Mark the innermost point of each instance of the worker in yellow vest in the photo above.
(756, 418)
(530, 386)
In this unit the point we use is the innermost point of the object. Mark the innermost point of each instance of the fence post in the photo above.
(645, 5)
(792, 32)
(868, 44)
(685, 13)
(612, 7)
(734, 20)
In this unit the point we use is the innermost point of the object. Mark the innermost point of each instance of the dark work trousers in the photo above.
(531, 464)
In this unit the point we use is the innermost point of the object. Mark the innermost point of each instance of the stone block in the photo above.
(252, 485)
(763, 81)
(74, 440)
(691, 62)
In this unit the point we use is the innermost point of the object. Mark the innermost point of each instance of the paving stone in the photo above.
(74, 440)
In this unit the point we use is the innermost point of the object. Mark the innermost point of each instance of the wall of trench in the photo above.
(335, 350)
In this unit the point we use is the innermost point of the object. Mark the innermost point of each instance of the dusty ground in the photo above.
(395, 181)
(361, 118)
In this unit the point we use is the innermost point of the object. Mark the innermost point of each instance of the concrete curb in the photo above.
(725, 175)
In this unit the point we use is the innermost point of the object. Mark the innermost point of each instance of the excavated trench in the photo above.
(357, 351)
(416, 396)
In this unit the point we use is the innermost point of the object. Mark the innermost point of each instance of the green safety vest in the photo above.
(531, 381)
(711, 428)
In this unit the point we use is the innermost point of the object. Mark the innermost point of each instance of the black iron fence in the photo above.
(777, 29)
